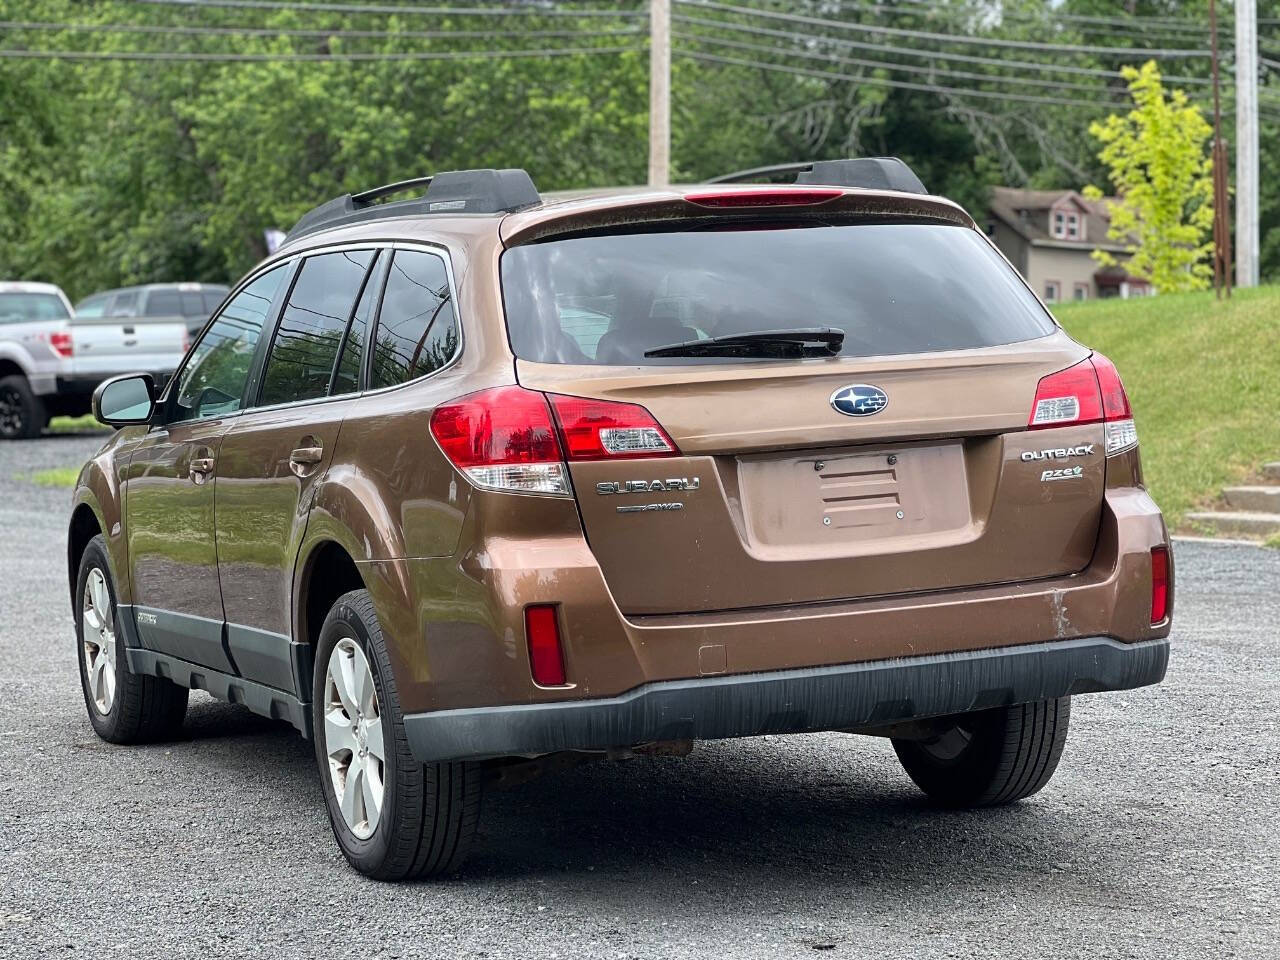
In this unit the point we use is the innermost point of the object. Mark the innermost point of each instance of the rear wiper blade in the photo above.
(801, 342)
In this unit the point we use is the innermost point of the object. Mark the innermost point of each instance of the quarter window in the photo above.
(307, 339)
(212, 381)
(417, 330)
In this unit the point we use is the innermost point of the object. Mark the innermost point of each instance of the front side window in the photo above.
(309, 334)
(892, 288)
(417, 330)
(212, 381)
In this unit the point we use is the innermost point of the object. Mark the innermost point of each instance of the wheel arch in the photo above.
(84, 526)
(325, 573)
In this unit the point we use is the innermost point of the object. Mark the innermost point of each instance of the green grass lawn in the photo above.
(1204, 381)
(76, 424)
(57, 477)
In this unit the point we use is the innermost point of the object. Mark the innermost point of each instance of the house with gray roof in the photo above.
(1050, 236)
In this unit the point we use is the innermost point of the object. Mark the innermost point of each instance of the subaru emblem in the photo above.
(859, 400)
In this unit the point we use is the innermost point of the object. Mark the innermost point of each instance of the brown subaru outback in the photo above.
(482, 481)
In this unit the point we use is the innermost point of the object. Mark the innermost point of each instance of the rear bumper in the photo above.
(793, 701)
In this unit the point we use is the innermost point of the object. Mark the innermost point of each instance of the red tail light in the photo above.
(1159, 584)
(61, 343)
(507, 438)
(602, 430)
(503, 439)
(1089, 392)
(546, 658)
(763, 198)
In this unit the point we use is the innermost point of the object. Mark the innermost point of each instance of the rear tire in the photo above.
(992, 757)
(124, 707)
(22, 413)
(393, 817)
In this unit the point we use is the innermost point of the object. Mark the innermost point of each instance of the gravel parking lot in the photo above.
(1157, 838)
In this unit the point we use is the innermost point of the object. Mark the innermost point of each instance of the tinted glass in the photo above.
(893, 288)
(212, 381)
(22, 307)
(164, 303)
(347, 378)
(417, 330)
(310, 331)
(125, 305)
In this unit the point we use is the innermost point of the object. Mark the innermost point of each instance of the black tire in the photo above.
(992, 757)
(429, 812)
(22, 413)
(143, 708)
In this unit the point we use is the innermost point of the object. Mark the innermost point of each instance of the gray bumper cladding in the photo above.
(793, 701)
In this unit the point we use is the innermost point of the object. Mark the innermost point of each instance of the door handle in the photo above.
(303, 459)
(200, 468)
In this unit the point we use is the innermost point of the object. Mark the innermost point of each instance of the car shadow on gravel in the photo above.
(770, 815)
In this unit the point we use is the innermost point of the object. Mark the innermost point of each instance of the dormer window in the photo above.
(1066, 225)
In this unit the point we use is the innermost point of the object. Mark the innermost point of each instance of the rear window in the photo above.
(24, 307)
(893, 288)
(164, 303)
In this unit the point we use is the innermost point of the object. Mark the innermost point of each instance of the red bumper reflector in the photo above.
(1159, 584)
(546, 659)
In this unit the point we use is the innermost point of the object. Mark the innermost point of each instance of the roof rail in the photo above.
(874, 173)
(454, 191)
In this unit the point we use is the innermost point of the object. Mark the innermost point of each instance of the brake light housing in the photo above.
(62, 344)
(787, 197)
(1088, 392)
(521, 441)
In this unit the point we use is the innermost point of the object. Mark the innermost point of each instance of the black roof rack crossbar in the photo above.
(873, 173)
(454, 191)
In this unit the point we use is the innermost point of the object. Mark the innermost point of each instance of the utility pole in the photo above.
(1247, 248)
(659, 93)
(1221, 218)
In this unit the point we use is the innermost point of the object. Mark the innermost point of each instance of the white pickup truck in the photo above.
(51, 362)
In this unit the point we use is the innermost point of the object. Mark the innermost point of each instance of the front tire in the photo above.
(393, 817)
(991, 757)
(22, 413)
(124, 707)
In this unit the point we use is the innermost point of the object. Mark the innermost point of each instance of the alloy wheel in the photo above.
(353, 738)
(98, 641)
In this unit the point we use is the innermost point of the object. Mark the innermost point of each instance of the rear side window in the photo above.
(305, 349)
(164, 303)
(893, 288)
(417, 331)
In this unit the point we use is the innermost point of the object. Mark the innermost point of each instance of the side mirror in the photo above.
(125, 400)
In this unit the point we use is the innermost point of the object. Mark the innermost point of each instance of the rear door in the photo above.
(170, 486)
(902, 464)
(275, 454)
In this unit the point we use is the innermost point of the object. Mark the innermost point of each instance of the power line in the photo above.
(944, 37)
(921, 53)
(506, 11)
(318, 33)
(895, 84)
(302, 57)
(901, 68)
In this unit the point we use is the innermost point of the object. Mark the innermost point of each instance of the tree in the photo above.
(1163, 175)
